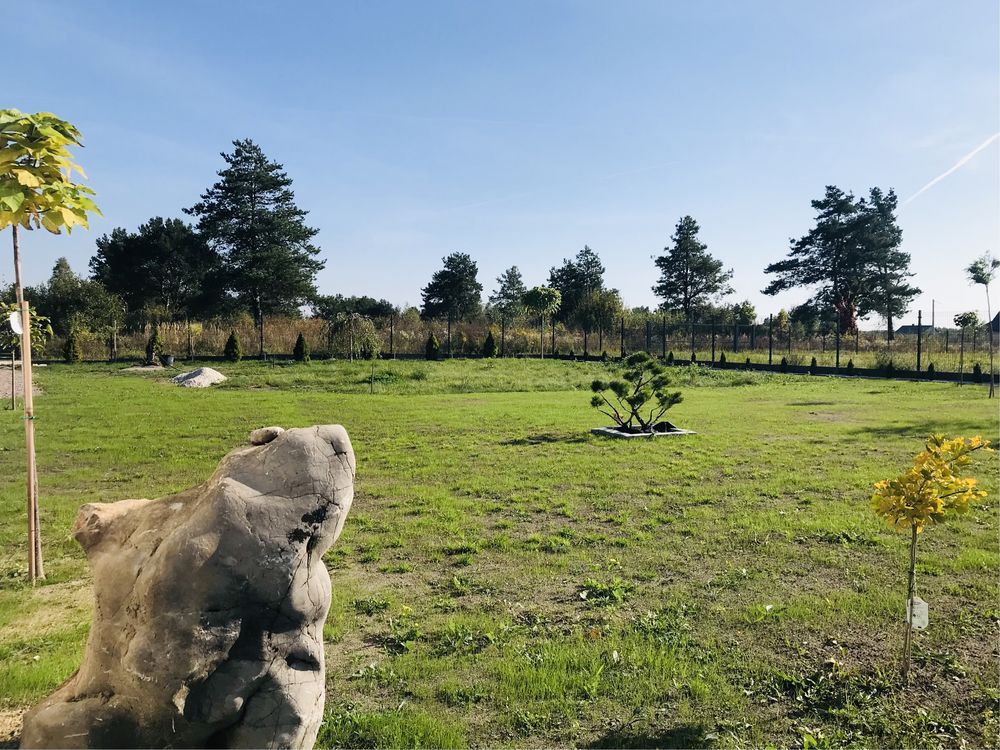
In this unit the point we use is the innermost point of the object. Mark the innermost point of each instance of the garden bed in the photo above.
(660, 429)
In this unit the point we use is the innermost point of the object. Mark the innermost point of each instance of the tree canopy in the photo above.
(508, 299)
(689, 275)
(574, 280)
(454, 292)
(329, 307)
(164, 271)
(851, 259)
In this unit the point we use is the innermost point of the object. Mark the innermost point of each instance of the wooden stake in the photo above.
(35, 568)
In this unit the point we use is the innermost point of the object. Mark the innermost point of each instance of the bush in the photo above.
(694, 357)
(746, 365)
(72, 351)
(850, 367)
(670, 358)
(154, 346)
(930, 371)
(812, 366)
(604, 356)
(490, 345)
(355, 337)
(784, 364)
(639, 393)
(722, 359)
(234, 349)
(432, 350)
(890, 369)
(301, 350)
(977, 372)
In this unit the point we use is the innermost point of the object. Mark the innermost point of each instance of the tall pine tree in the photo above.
(250, 217)
(453, 292)
(851, 259)
(689, 275)
(576, 279)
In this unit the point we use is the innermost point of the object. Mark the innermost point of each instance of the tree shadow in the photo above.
(545, 437)
(683, 736)
(920, 430)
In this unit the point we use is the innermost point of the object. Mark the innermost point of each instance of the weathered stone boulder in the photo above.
(209, 606)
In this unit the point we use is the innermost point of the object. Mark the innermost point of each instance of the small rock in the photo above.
(203, 377)
(265, 435)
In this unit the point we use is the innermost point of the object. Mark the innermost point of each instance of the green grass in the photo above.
(505, 578)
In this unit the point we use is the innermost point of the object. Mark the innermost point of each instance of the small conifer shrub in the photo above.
(233, 351)
(432, 350)
(301, 351)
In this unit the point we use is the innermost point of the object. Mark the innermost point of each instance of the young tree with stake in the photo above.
(542, 301)
(36, 190)
(982, 271)
(927, 493)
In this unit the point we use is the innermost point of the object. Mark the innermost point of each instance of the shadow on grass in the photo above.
(546, 437)
(921, 430)
(685, 735)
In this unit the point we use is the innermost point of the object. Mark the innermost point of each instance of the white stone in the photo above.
(203, 377)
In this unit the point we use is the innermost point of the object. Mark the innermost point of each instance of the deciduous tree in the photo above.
(37, 190)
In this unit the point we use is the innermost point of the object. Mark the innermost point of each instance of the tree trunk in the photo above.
(35, 568)
(585, 343)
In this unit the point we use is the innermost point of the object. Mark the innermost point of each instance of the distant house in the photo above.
(995, 325)
(911, 330)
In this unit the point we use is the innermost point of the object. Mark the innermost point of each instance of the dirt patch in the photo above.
(145, 369)
(10, 727)
(5, 384)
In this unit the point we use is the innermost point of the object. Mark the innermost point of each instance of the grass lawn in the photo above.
(507, 579)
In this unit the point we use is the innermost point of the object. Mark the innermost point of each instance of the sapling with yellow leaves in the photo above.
(925, 494)
(37, 191)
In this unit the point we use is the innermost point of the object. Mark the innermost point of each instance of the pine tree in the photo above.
(689, 275)
(250, 217)
(453, 292)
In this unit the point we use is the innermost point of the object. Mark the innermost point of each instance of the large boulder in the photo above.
(210, 605)
(203, 377)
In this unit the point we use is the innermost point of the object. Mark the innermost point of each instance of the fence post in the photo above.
(920, 315)
(392, 331)
(736, 337)
(663, 336)
(961, 356)
(622, 338)
(713, 342)
(503, 337)
(857, 340)
(649, 336)
(770, 339)
(838, 344)
(946, 332)
(691, 323)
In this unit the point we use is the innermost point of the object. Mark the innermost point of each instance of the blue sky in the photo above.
(520, 131)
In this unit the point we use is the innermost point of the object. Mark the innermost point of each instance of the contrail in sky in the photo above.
(958, 165)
